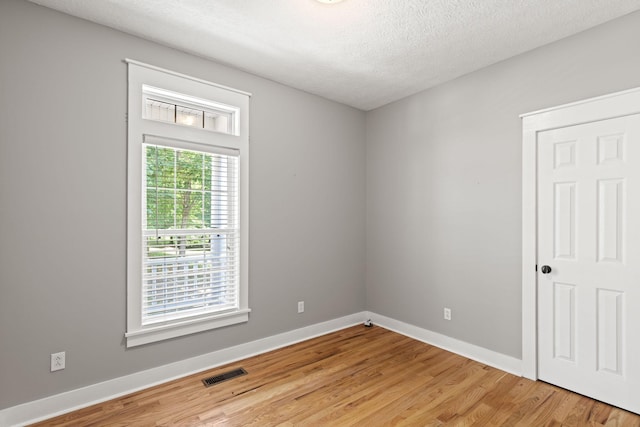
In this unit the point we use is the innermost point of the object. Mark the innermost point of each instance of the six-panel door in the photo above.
(589, 236)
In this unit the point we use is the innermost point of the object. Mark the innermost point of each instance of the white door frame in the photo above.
(610, 106)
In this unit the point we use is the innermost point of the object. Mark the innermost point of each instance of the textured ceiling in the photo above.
(364, 53)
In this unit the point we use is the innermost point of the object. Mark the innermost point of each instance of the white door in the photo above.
(589, 239)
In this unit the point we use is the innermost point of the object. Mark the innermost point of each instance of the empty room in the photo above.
(319, 212)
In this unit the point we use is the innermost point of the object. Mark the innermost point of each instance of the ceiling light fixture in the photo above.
(329, 1)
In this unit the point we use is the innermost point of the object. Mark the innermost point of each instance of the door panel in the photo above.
(610, 232)
(589, 235)
(564, 321)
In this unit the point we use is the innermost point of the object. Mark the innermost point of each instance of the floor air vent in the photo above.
(223, 377)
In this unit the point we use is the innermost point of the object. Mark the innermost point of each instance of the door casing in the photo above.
(609, 106)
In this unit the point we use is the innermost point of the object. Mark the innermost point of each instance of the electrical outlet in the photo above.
(447, 313)
(58, 361)
(300, 306)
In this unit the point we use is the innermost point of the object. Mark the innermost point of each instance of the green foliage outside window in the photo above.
(178, 196)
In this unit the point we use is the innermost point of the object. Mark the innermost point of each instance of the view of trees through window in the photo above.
(178, 197)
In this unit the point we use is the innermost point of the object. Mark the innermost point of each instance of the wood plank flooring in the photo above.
(358, 376)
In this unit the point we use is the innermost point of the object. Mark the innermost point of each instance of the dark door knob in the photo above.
(545, 269)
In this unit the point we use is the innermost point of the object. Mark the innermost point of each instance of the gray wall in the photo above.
(63, 192)
(444, 184)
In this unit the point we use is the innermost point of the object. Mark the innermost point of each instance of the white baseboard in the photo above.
(480, 354)
(62, 403)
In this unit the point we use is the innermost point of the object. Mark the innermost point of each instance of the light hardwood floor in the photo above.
(357, 376)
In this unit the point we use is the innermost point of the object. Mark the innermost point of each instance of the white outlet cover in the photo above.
(58, 361)
(300, 306)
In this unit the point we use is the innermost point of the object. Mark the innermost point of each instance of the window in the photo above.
(171, 107)
(187, 226)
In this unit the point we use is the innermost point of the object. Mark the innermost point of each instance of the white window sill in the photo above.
(163, 332)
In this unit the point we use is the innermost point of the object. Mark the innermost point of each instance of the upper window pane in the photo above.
(172, 107)
(158, 110)
(189, 117)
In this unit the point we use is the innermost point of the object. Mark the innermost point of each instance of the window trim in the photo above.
(141, 129)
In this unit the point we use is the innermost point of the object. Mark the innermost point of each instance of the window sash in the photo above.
(183, 286)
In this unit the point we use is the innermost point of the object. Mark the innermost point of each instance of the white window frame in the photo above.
(139, 129)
